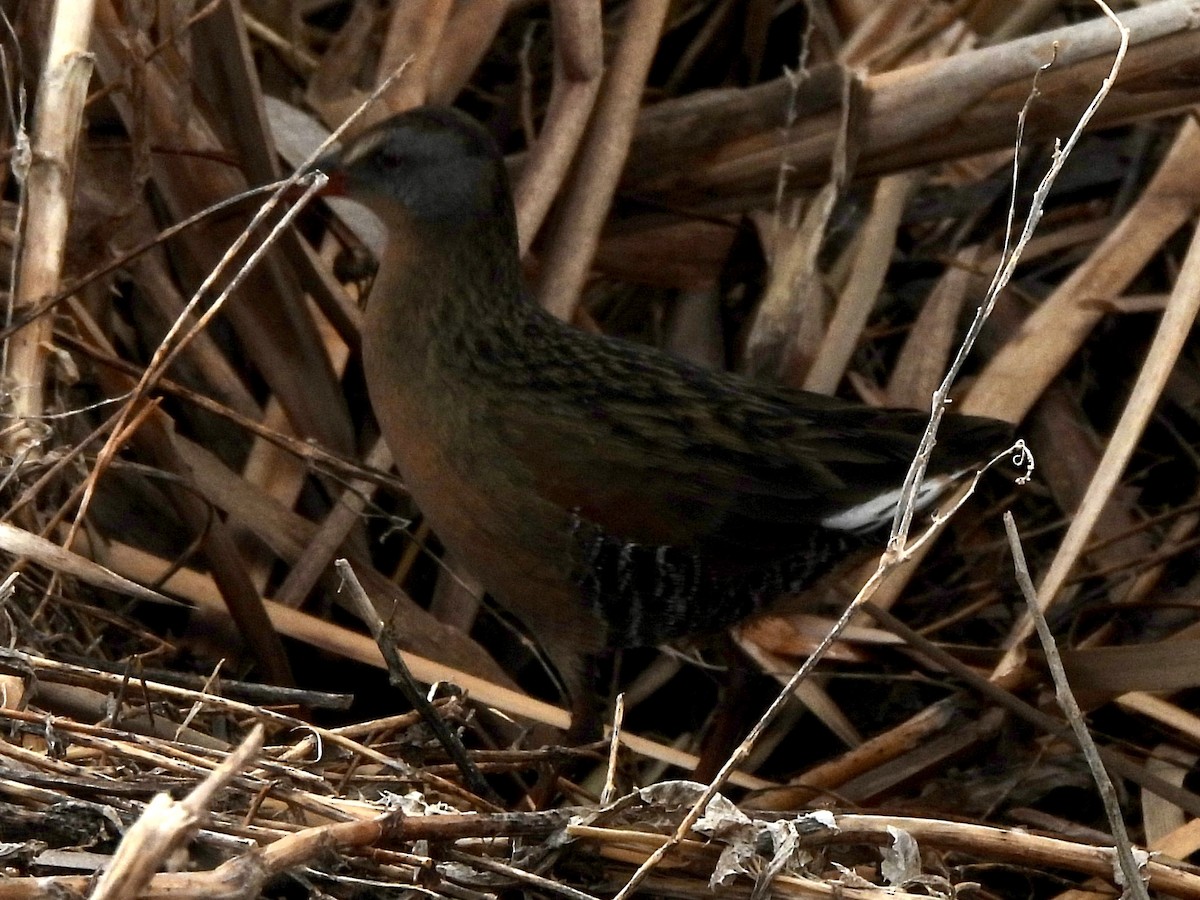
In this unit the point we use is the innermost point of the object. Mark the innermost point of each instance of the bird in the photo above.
(604, 492)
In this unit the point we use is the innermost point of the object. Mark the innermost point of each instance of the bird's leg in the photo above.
(729, 723)
(586, 704)
(580, 676)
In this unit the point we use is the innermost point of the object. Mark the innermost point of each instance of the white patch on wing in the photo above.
(879, 510)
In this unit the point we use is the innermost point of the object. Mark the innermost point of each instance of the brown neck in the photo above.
(443, 292)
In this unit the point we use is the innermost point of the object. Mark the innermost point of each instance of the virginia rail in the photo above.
(607, 494)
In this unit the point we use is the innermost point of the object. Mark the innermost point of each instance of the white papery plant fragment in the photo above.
(902, 859)
(746, 840)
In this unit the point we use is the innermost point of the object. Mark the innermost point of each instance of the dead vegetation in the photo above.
(815, 192)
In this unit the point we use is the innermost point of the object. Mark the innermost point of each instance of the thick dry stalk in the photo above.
(599, 166)
(49, 183)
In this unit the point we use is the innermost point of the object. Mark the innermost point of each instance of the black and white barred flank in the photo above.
(650, 595)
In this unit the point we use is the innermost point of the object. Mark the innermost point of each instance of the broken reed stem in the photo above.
(49, 178)
(600, 161)
(165, 824)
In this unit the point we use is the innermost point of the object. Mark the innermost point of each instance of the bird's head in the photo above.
(434, 166)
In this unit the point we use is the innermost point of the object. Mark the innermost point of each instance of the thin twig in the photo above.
(614, 749)
(402, 678)
(1130, 867)
(165, 824)
(941, 397)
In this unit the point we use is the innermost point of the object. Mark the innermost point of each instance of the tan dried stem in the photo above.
(412, 39)
(48, 187)
(1129, 867)
(571, 249)
(578, 65)
(165, 825)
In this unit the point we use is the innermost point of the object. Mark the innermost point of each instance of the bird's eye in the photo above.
(391, 157)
